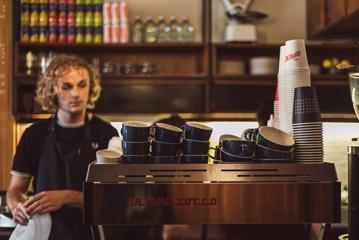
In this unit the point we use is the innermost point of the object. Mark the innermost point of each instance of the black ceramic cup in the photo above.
(196, 131)
(135, 148)
(225, 137)
(227, 157)
(263, 152)
(275, 139)
(250, 134)
(164, 159)
(194, 147)
(240, 148)
(129, 159)
(165, 149)
(167, 133)
(194, 159)
(134, 131)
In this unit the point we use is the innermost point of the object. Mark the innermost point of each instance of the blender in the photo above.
(240, 25)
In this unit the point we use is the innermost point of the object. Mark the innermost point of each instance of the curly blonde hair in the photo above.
(45, 90)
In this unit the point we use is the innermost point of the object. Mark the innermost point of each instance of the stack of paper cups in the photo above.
(276, 123)
(282, 95)
(296, 73)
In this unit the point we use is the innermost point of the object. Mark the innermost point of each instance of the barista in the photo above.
(56, 152)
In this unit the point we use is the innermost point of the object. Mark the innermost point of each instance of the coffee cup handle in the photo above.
(152, 132)
(245, 134)
(212, 148)
(183, 127)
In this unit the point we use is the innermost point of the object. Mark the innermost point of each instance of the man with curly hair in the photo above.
(56, 152)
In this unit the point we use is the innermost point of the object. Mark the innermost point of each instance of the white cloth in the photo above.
(115, 144)
(38, 228)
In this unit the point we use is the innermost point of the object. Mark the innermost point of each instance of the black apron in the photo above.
(59, 170)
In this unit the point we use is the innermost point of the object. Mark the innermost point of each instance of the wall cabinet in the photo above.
(332, 18)
(353, 5)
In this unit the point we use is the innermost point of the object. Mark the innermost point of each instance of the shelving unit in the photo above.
(178, 84)
(188, 77)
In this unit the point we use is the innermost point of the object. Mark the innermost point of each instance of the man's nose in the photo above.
(74, 91)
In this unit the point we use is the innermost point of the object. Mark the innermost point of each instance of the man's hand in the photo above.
(49, 201)
(44, 202)
(15, 197)
(20, 214)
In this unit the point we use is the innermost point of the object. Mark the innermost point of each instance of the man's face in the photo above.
(73, 90)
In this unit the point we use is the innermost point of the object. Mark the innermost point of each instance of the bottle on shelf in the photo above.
(25, 21)
(137, 30)
(98, 21)
(115, 22)
(43, 22)
(34, 21)
(89, 21)
(176, 30)
(53, 21)
(71, 22)
(80, 22)
(151, 30)
(164, 30)
(107, 21)
(188, 30)
(124, 24)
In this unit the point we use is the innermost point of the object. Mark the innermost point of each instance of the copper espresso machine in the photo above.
(156, 194)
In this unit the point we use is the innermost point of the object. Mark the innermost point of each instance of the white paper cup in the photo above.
(276, 115)
(282, 103)
(295, 54)
(108, 156)
(281, 66)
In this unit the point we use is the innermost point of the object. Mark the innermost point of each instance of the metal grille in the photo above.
(210, 173)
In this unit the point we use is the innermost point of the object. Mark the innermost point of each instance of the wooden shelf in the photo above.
(156, 76)
(316, 77)
(32, 82)
(245, 82)
(309, 46)
(246, 76)
(131, 76)
(103, 46)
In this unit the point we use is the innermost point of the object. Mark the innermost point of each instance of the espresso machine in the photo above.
(353, 160)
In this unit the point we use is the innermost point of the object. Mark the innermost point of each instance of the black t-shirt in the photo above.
(32, 142)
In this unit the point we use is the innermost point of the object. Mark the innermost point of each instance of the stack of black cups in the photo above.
(135, 143)
(166, 145)
(307, 125)
(195, 144)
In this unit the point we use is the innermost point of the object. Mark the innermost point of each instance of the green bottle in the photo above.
(164, 30)
(137, 30)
